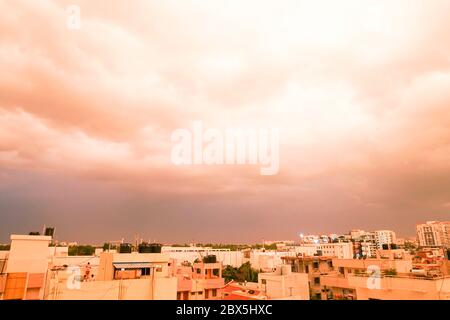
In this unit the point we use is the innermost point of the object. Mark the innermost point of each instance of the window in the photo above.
(306, 269)
(214, 292)
(330, 264)
(145, 271)
(316, 265)
(317, 280)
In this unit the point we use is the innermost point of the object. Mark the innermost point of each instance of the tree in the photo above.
(230, 273)
(82, 250)
(241, 274)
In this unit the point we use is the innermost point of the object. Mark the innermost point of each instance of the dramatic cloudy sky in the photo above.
(359, 89)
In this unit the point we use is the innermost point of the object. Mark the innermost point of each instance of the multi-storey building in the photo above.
(385, 237)
(202, 281)
(284, 284)
(433, 234)
(343, 250)
(24, 268)
(314, 267)
(336, 284)
(364, 244)
(267, 260)
(191, 254)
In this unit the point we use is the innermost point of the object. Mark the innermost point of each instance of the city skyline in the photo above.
(359, 92)
(297, 238)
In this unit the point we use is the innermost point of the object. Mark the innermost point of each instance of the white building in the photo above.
(386, 237)
(433, 233)
(268, 260)
(341, 250)
(190, 254)
(284, 284)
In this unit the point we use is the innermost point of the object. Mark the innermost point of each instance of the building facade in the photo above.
(433, 234)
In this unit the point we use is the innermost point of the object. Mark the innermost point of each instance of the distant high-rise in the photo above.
(385, 237)
(433, 233)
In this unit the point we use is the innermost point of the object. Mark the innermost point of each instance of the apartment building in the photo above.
(343, 250)
(191, 254)
(314, 267)
(390, 276)
(384, 238)
(201, 281)
(119, 276)
(407, 287)
(267, 260)
(366, 244)
(24, 268)
(284, 284)
(433, 234)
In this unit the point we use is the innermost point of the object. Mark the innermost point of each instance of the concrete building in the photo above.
(341, 283)
(364, 244)
(433, 234)
(202, 281)
(283, 284)
(401, 288)
(342, 250)
(25, 268)
(373, 279)
(385, 237)
(268, 260)
(313, 267)
(191, 254)
(119, 276)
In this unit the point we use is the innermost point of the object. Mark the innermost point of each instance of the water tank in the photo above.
(156, 247)
(150, 248)
(144, 248)
(210, 259)
(125, 248)
(49, 231)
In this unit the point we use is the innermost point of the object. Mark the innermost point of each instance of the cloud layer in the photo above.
(360, 91)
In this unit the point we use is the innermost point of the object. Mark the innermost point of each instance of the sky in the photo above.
(359, 90)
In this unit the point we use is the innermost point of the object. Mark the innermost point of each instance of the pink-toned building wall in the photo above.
(199, 282)
(28, 256)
